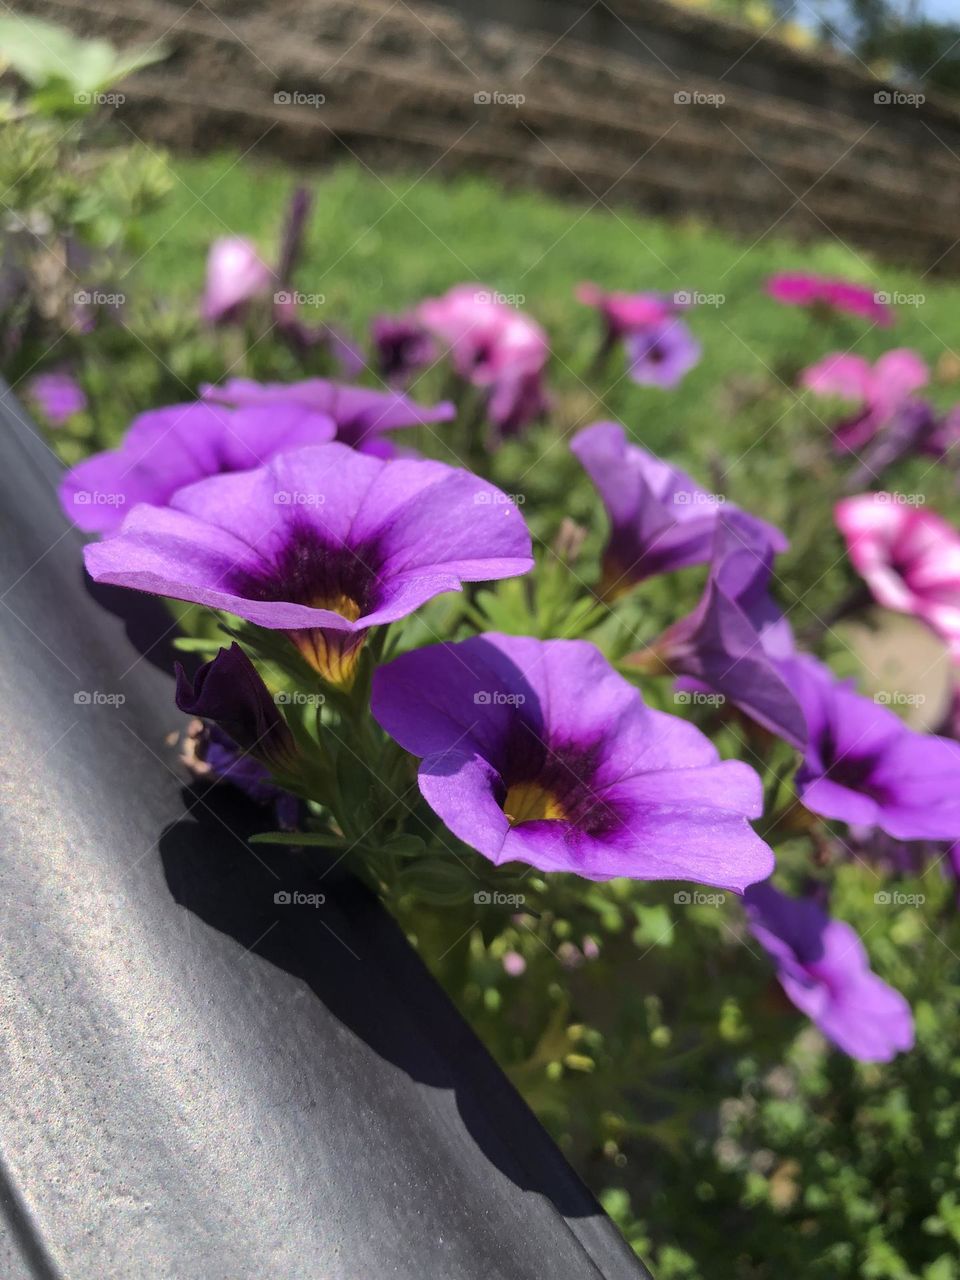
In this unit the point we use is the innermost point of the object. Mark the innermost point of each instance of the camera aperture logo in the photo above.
(297, 898)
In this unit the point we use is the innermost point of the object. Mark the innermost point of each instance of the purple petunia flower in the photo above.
(731, 640)
(169, 448)
(229, 691)
(825, 971)
(236, 274)
(322, 543)
(403, 347)
(362, 416)
(662, 354)
(525, 766)
(660, 519)
(58, 396)
(864, 766)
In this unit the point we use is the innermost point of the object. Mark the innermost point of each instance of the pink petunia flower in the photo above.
(908, 557)
(235, 275)
(879, 391)
(800, 289)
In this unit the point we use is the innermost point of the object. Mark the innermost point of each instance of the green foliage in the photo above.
(66, 73)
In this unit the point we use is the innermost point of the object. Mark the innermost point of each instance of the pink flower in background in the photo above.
(235, 275)
(908, 557)
(485, 336)
(800, 289)
(492, 345)
(880, 391)
(625, 313)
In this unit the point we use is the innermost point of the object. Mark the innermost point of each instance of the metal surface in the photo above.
(197, 1081)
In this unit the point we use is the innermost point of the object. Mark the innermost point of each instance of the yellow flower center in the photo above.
(333, 654)
(346, 606)
(529, 802)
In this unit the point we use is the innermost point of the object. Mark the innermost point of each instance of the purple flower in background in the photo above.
(362, 416)
(524, 766)
(517, 400)
(662, 354)
(169, 448)
(58, 396)
(660, 519)
(322, 543)
(210, 753)
(825, 971)
(229, 691)
(865, 767)
(403, 347)
(236, 275)
(731, 640)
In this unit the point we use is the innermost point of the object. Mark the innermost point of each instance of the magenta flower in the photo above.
(825, 971)
(662, 354)
(626, 313)
(322, 543)
(732, 639)
(58, 396)
(880, 392)
(908, 557)
(525, 766)
(236, 275)
(864, 766)
(660, 519)
(362, 417)
(799, 289)
(485, 337)
(403, 347)
(494, 346)
(169, 448)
